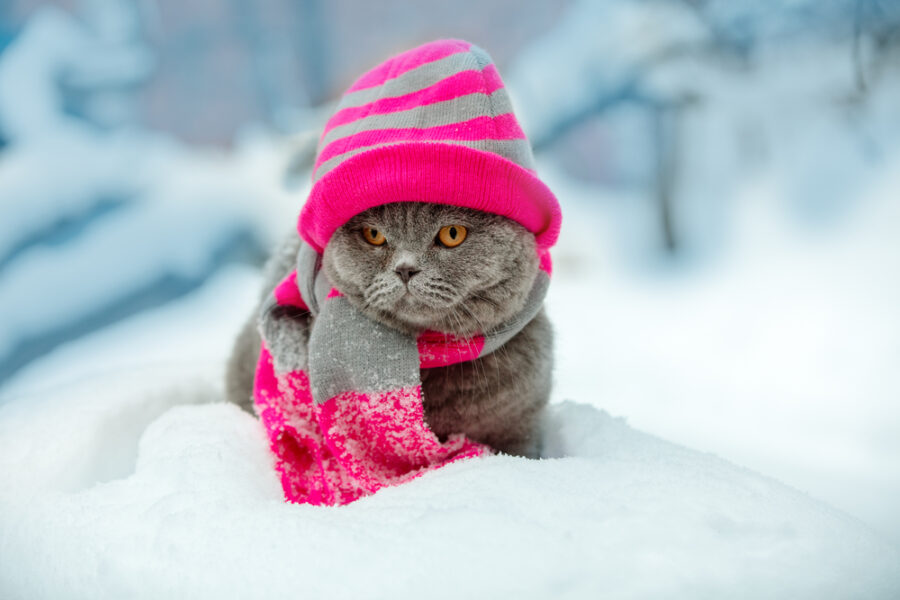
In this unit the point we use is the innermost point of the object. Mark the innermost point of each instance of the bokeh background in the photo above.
(729, 271)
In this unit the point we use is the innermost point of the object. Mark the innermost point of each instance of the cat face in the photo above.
(416, 266)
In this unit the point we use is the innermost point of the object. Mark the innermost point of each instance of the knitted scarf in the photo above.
(344, 415)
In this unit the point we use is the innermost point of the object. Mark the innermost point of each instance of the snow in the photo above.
(143, 210)
(595, 52)
(174, 214)
(160, 491)
(772, 341)
(772, 337)
(55, 45)
(196, 331)
(782, 357)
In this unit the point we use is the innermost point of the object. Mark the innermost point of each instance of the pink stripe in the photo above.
(381, 439)
(546, 264)
(437, 349)
(265, 385)
(287, 293)
(486, 81)
(409, 60)
(501, 127)
(284, 406)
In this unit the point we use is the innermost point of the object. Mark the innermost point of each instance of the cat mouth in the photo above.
(417, 300)
(415, 308)
(410, 300)
(409, 310)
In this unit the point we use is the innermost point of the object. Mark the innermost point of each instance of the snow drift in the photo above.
(141, 485)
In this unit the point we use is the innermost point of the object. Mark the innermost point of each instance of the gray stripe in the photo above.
(348, 352)
(508, 329)
(481, 56)
(518, 151)
(322, 287)
(413, 80)
(308, 264)
(447, 112)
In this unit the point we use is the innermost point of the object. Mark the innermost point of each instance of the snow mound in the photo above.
(141, 485)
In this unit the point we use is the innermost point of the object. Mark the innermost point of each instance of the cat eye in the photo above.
(452, 236)
(373, 236)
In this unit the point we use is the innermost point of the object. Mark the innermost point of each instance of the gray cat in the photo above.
(391, 264)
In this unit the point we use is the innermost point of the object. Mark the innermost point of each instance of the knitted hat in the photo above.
(433, 124)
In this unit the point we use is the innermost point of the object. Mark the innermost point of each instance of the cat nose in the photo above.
(405, 272)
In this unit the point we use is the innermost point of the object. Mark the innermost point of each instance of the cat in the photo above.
(404, 277)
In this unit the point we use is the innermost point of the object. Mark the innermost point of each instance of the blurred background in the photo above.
(728, 275)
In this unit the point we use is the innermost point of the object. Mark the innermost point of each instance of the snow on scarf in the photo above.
(345, 416)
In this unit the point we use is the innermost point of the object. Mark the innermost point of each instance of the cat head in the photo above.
(416, 266)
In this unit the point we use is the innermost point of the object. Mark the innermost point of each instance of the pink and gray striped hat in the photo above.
(433, 124)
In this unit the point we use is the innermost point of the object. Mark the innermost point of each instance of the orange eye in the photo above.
(452, 235)
(373, 236)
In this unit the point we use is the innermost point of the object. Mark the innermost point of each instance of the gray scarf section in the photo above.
(348, 351)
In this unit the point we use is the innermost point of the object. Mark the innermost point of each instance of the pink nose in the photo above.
(405, 272)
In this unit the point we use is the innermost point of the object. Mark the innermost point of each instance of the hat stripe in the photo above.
(518, 151)
(428, 115)
(406, 61)
(501, 127)
(414, 79)
(486, 81)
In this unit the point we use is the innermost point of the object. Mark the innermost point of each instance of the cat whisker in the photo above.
(486, 300)
(455, 314)
(378, 293)
(434, 297)
(439, 285)
(483, 331)
(478, 363)
(435, 301)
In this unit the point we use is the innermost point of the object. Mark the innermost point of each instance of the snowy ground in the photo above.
(782, 357)
(141, 488)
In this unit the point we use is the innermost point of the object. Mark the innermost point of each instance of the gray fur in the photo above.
(496, 399)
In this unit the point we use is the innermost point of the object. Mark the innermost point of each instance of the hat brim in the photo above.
(435, 172)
